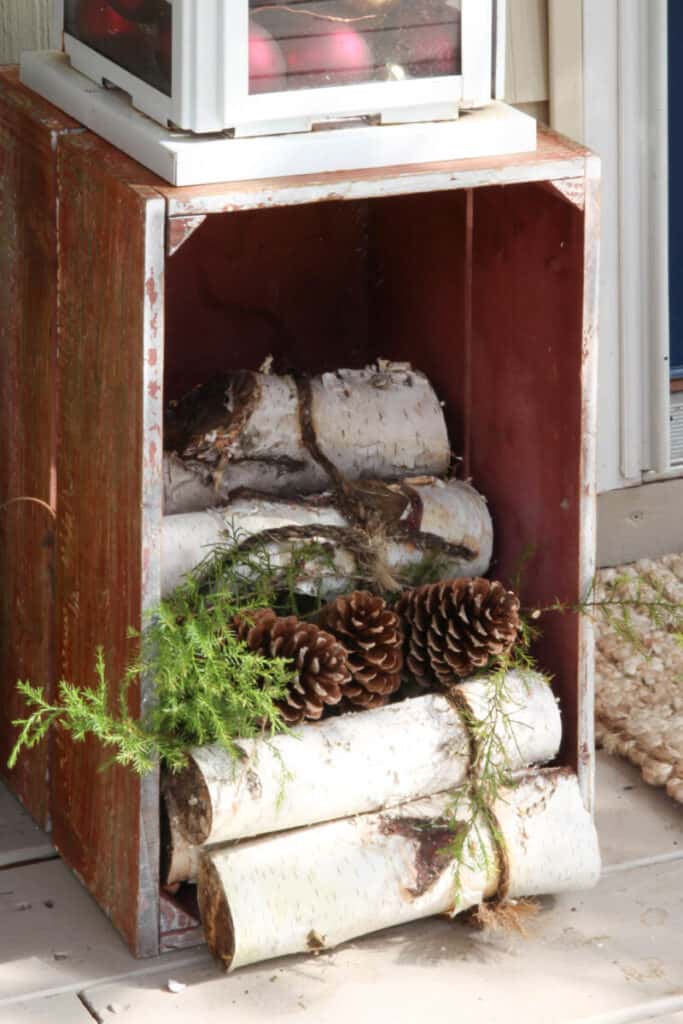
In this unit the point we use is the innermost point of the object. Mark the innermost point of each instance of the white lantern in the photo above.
(258, 67)
(238, 90)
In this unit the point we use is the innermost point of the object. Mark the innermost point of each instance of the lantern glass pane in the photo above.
(135, 34)
(311, 44)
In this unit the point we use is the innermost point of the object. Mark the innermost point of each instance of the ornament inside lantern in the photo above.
(267, 66)
(134, 34)
(356, 41)
(103, 25)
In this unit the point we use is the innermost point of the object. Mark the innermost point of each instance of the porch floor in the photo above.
(612, 955)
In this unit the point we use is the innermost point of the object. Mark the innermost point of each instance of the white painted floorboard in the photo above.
(66, 1009)
(588, 954)
(20, 839)
(635, 821)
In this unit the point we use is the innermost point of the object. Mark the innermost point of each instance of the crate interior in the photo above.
(482, 290)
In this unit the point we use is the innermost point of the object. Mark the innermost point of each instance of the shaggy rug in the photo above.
(639, 668)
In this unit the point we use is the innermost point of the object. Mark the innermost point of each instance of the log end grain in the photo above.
(179, 859)
(215, 913)
(188, 794)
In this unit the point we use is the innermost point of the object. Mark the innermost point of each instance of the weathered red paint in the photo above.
(180, 925)
(29, 128)
(151, 289)
(288, 281)
(527, 384)
(102, 824)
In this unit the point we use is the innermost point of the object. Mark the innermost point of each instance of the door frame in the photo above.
(622, 52)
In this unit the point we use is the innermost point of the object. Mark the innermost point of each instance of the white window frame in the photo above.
(625, 119)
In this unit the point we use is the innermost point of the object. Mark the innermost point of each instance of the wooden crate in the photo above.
(124, 292)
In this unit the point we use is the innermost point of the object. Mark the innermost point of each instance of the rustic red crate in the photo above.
(119, 292)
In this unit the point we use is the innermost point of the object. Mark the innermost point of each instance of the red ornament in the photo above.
(339, 56)
(100, 23)
(267, 66)
(137, 10)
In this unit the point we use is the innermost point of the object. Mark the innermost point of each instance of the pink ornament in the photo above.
(267, 66)
(338, 56)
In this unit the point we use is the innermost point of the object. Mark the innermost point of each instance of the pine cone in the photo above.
(322, 670)
(456, 627)
(373, 638)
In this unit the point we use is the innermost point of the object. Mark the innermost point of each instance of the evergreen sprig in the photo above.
(629, 601)
(208, 686)
(83, 713)
(259, 575)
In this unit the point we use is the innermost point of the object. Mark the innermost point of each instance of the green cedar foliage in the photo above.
(208, 686)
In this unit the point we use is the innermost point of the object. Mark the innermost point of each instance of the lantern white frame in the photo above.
(210, 46)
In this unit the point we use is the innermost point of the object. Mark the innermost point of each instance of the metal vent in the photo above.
(677, 428)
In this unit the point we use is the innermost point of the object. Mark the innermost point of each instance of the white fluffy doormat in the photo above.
(639, 682)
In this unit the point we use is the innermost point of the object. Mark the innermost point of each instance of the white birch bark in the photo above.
(382, 423)
(185, 490)
(356, 763)
(453, 512)
(316, 888)
(561, 856)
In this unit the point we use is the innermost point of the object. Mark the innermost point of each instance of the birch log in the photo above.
(255, 431)
(315, 888)
(446, 518)
(355, 763)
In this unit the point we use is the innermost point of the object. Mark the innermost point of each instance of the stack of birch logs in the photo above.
(348, 825)
(253, 453)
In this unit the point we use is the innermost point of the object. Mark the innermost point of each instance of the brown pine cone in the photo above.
(320, 662)
(456, 627)
(373, 638)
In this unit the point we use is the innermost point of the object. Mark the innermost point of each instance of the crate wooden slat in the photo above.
(555, 158)
(483, 273)
(30, 131)
(110, 366)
